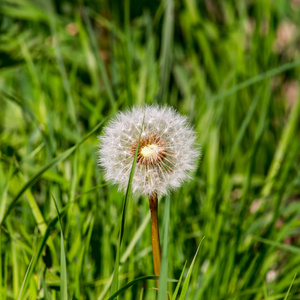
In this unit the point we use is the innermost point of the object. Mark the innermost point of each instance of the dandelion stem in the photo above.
(153, 203)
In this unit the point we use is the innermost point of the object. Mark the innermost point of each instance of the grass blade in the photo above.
(36, 257)
(166, 49)
(63, 265)
(243, 127)
(164, 263)
(174, 297)
(189, 274)
(61, 66)
(287, 294)
(36, 212)
(26, 277)
(3, 193)
(285, 141)
(289, 248)
(99, 61)
(269, 74)
(128, 64)
(90, 190)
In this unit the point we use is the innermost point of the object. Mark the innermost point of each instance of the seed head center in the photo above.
(150, 150)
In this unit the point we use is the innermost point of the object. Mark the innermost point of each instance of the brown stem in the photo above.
(153, 203)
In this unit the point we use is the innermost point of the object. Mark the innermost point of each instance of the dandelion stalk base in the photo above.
(153, 203)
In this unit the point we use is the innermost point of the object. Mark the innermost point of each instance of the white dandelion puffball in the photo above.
(167, 152)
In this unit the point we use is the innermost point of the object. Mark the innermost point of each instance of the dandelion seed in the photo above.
(167, 151)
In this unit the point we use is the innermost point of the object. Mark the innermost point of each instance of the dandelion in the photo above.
(166, 156)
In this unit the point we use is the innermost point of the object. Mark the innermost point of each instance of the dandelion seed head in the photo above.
(167, 153)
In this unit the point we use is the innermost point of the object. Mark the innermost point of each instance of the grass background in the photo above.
(231, 66)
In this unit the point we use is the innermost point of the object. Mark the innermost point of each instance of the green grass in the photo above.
(66, 67)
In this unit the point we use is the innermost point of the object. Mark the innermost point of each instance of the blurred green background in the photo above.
(232, 67)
